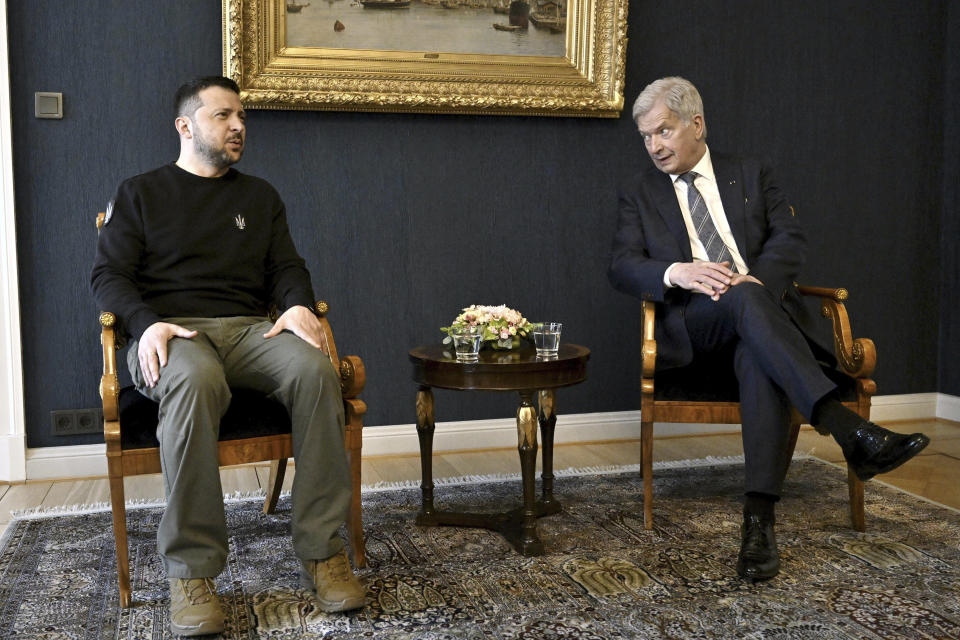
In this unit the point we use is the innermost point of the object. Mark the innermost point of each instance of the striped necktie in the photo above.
(707, 232)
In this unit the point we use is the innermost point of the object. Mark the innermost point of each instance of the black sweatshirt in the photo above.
(179, 245)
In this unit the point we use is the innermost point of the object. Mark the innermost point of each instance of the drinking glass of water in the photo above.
(546, 338)
(466, 342)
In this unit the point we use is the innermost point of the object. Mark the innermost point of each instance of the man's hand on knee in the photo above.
(709, 278)
(304, 324)
(152, 348)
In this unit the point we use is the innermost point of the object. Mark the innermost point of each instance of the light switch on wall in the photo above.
(48, 105)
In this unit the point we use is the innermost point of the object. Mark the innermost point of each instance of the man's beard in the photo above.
(219, 158)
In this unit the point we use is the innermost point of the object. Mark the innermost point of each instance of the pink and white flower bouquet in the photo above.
(503, 327)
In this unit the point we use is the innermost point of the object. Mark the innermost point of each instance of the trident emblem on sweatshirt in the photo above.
(240, 222)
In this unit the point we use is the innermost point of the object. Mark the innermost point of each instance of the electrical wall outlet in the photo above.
(89, 420)
(74, 422)
(64, 423)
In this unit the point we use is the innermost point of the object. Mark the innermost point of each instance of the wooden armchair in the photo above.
(254, 429)
(681, 395)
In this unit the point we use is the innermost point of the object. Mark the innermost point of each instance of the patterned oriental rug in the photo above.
(603, 577)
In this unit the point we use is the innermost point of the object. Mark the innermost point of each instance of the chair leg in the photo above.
(354, 442)
(278, 469)
(858, 519)
(118, 508)
(356, 523)
(855, 487)
(646, 464)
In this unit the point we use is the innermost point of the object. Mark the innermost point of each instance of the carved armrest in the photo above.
(109, 383)
(353, 375)
(858, 357)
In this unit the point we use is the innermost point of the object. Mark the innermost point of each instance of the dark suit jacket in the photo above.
(651, 236)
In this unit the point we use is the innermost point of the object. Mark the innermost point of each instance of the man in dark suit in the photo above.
(714, 240)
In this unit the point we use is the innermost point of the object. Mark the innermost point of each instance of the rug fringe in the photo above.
(243, 496)
(142, 503)
(259, 494)
(37, 513)
(561, 473)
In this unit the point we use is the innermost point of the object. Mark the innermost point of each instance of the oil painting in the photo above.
(456, 26)
(497, 57)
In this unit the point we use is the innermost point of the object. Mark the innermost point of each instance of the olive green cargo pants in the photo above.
(194, 393)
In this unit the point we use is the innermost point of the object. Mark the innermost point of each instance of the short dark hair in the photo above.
(187, 100)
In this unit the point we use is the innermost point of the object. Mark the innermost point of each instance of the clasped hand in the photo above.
(152, 347)
(709, 278)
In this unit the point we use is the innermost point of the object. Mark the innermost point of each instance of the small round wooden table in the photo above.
(519, 370)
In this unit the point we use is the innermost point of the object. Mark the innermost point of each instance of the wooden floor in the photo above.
(934, 474)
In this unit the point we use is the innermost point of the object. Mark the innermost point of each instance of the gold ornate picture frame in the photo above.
(586, 81)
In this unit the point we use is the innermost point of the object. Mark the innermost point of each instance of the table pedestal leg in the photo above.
(548, 421)
(529, 541)
(518, 526)
(425, 428)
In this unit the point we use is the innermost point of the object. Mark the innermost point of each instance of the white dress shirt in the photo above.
(706, 183)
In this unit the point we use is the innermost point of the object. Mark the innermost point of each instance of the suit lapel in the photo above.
(665, 198)
(730, 185)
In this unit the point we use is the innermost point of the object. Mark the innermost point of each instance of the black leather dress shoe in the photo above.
(871, 449)
(758, 559)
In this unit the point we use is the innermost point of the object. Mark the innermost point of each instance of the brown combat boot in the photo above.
(194, 607)
(334, 585)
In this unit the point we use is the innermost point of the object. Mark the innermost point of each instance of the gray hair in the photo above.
(678, 94)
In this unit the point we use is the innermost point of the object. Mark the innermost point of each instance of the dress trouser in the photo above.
(775, 369)
(193, 393)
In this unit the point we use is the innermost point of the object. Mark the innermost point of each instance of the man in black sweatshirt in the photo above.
(190, 257)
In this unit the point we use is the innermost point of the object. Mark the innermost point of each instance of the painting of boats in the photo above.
(451, 26)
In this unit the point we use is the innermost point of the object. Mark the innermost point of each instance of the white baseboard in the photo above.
(83, 461)
(501, 433)
(948, 407)
(77, 461)
(906, 406)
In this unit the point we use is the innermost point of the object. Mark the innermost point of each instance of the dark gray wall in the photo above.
(842, 96)
(950, 236)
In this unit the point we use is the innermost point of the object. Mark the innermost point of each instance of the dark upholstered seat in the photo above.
(254, 429)
(705, 381)
(251, 414)
(707, 392)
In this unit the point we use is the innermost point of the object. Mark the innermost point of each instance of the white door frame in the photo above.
(12, 421)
